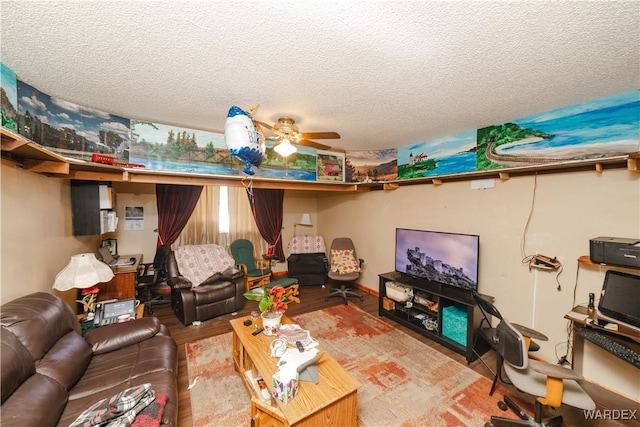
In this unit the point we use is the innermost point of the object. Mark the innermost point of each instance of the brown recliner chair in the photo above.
(221, 293)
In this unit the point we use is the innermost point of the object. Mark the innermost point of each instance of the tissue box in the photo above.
(283, 389)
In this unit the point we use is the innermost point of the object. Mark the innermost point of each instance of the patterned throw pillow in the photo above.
(343, 261)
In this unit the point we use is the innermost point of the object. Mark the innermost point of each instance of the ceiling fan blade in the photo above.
(319, 135)
(313, 144)
(265, 125)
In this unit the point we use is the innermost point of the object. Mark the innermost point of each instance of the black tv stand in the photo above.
(452, 322)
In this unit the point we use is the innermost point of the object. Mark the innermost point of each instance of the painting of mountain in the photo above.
(371, 165)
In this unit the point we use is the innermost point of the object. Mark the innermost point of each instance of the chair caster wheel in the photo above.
(502, 405)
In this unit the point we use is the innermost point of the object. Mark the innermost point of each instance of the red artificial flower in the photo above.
(90, 291)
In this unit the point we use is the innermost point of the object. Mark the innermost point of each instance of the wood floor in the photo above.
(312, 298)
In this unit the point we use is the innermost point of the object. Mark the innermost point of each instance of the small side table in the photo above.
(271, 258)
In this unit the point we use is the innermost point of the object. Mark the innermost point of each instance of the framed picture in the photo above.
(133, 218)
(112, 244)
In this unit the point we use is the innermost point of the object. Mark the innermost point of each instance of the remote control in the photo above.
(257, 331)
(300, 346)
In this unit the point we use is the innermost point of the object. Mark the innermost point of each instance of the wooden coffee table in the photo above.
(333, 401)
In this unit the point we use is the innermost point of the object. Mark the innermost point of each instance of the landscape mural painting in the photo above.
(300, 165)
(602, 128)
(372, 165)
(330, 166)
(177, 149)
(9, 98)
(444, 156)
(71, 129)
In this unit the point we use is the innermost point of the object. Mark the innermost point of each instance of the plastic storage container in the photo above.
(454, 323)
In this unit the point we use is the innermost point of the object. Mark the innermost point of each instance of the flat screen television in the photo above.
(447, 258)
(620, 299)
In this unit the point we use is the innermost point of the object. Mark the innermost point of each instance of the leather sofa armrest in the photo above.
(113, 337)
(232, 273)
(179, 282)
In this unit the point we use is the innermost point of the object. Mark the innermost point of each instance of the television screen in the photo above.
(448, 258)
(620, 299)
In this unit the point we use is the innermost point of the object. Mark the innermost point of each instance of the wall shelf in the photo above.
(36, 158)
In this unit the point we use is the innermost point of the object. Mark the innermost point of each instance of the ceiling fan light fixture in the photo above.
(285, 149)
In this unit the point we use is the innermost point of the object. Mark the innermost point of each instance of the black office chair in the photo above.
(489, 334)
(344, 268)
(150, 275)
(553, 385)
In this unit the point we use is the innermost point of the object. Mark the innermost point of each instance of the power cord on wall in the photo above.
(545, 263)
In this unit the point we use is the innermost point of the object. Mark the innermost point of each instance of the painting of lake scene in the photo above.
(183, 150)
(602, 128)
(443, 156)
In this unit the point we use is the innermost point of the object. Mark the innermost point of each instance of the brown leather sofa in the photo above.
(219, 294)
(51, 373)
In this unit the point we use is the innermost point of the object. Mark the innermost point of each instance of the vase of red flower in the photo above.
(88, 301)
(272, 304)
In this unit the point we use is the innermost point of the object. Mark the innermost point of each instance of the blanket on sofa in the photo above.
(118, 411)
(198, 262)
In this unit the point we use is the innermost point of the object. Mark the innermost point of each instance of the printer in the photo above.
(615, 250)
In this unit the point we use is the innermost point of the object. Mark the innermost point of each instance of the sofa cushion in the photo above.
(215, 292)
(67, 360)
(211, 279)
(110, 338)
(39, 320)
(38, 402)
(198, 262)
(17, 364)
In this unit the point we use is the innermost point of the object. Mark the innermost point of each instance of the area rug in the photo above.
(404, 382)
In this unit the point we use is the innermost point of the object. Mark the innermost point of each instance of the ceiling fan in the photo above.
(286, 133)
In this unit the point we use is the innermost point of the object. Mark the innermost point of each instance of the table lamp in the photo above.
(83, 271)
(304, 220)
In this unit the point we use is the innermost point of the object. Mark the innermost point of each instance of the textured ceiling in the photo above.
(383, 74)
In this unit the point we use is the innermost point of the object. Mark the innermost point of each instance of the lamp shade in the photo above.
(83, 271)
(285, 148)
(305, 219)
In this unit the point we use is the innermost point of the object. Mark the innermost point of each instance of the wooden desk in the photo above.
(123, 284)
(334, 398)
(597, 364)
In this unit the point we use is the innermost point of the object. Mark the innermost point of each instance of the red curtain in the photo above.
(266, 206)
(175, 206)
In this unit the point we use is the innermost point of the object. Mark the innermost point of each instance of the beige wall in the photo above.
(568, 210)
(137, 241)
(36, 239)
